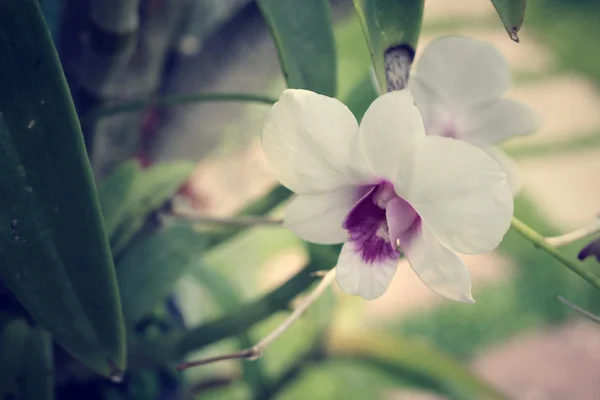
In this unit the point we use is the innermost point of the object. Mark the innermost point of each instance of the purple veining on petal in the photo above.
(369, 223)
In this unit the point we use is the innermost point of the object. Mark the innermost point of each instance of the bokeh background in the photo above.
(517, 336)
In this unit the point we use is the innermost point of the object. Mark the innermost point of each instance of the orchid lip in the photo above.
(379, 221)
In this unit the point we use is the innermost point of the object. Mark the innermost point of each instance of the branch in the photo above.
(174, 100)
(580, 310)
(257, 350)
(540, 242)
(232, 222)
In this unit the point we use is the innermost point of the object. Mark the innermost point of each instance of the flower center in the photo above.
(448, 129)
(378, 222)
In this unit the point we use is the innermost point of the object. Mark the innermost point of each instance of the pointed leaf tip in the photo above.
(512, 14)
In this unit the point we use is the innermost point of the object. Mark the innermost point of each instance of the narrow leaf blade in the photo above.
(55, 254)
(149, 190)
(512, 14)
(148, 272)
(303, 34)
(413, 359)
(26, 362)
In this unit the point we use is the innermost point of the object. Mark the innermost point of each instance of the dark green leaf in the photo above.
(25, 362)
(303, 34)
(254, 312)
(38, 375)
(361, 96)
(392, 29)
(148, 272)
(149, 190)
(229, 300)
(512, 14)
(114, 193)
(53, 247)
(414, 361)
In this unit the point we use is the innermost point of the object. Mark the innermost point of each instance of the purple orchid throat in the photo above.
(380, 222)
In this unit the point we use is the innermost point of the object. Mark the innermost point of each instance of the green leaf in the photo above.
(150, 269)
(303, 34)
(38, 376)
(149, 190)
(512, 14)
(392, 29)
(25, 362)
(258, 310)
(229, 300)
(414, 361)
(361, 96)
(114, 192)
(55, 255)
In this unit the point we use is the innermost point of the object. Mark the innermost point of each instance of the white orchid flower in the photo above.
(458, 85)
(384, 188)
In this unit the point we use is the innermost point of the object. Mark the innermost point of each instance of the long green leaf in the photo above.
(303, 34)
(361, 96)
(114, 193)
(149, 190)
(392, 29)
(148, 272)
(512, 14)
(252, 313)
(228, 299)
(415, 361)
(53, 247)
(25, 362)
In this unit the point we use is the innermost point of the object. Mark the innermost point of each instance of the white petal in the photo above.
(387, 129)
(463, 71)
(509, 166)
(459, 192)
(307, 138)
(496, 121)
(430, 105)
(318, 218)
(438, 267)
(357, 278)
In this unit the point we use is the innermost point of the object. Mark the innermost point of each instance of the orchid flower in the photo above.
(458, 84)
(385, 188)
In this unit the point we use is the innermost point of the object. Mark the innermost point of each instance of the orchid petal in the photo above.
(356, 277)
(509, 166)
(460, 193)
(438, 267)
(400, 216)
(496, 121)
(387, 129)
(430, 105)
(308, 140)
(318, 218)
(463, 71)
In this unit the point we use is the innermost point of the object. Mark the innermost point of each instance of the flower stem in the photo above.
(232, 222)
(580, 310)
(258, 349)
(585, 231)
(540, 242)
(174, 100)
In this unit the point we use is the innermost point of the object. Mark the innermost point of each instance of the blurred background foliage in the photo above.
(189, 291)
